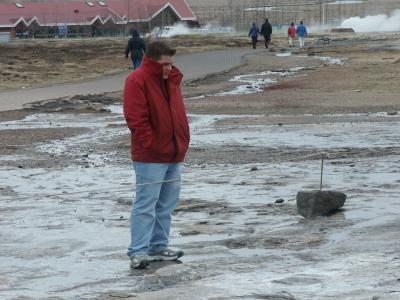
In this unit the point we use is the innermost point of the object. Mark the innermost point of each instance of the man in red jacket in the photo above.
(155, 114)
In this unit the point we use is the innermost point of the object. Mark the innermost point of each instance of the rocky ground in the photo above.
(66, 185)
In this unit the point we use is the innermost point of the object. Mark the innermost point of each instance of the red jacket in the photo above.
(292, 32)
(156, 116)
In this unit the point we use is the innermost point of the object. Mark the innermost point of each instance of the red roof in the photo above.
(136, 10)
(76, 12)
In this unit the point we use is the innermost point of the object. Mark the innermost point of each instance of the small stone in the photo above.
(358, 91)
(280, 124)
(10, 147)
(279, 201)
(189, 231)
(253, 169)
(392, 113)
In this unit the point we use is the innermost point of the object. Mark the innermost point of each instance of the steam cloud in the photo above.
(182, 29)
(378, 23)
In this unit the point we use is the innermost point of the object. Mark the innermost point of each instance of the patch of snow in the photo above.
(284, 54)
(332, 60)
(345, 2)
(258, 81)
(317, 136)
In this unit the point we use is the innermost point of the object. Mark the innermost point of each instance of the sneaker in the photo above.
(166, 254)
(139, 261)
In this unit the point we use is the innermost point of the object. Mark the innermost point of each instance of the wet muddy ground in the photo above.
(66, 185)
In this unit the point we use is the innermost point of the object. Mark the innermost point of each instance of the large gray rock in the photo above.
(317, 203)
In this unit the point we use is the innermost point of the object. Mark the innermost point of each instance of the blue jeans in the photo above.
(153, 206)
(136, 62)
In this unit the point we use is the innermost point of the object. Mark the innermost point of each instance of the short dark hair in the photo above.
(158, 48)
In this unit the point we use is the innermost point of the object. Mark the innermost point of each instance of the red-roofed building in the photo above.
(92, 18)
(147, 14)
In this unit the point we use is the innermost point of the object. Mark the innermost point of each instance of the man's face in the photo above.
(166, 61)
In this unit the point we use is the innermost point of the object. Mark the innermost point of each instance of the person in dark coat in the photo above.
(253, 33)
(136, 47)
(266, 31)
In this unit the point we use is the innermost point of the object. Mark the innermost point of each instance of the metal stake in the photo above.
(322, 171)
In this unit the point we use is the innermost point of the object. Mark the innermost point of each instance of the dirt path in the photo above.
(193, 66)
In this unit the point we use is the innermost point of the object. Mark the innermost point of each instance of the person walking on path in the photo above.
(136, 47)
(155, 114)
(291, 34)
(253, 33)
(266, 31)
(301, 33)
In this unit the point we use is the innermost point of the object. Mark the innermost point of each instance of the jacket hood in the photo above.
(156, 69)
(135, 33)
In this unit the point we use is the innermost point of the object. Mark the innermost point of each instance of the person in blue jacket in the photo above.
(253, 33)
(301, 33)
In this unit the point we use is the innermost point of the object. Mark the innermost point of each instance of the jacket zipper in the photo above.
(166, 95)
